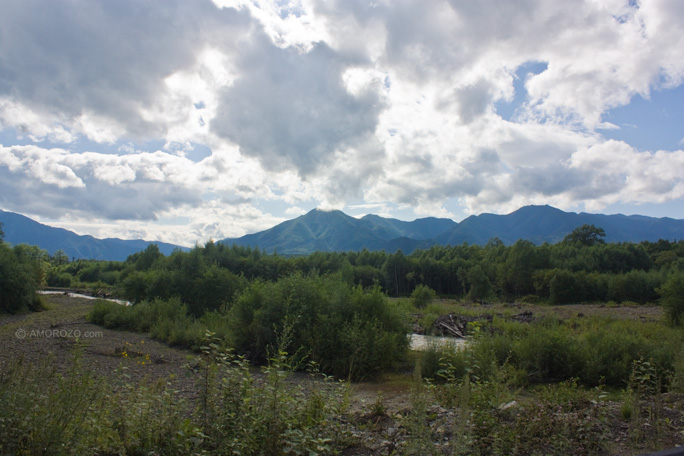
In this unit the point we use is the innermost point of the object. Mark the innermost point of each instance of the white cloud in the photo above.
(38, 127)
(40, 165)
(295, 211)
(389, 103)
(614, 171)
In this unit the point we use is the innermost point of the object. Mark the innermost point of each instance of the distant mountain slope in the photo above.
(541, 224)
(315, 231)
(22, 230)
(334, 231)
(421, 229)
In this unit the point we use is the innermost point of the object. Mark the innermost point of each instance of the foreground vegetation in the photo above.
(465, 402)
(350, 332)
(236, 412)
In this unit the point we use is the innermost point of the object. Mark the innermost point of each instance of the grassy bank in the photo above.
(125, 393)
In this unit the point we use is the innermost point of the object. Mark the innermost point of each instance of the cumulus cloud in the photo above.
(640, 177)
(187, 114)
(97, 66)
(292, 109)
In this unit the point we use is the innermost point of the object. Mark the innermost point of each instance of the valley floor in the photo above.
(380, 413)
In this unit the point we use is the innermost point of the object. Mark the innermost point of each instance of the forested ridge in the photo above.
(579, 269)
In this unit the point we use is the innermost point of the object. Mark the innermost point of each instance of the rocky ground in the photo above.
(380, 412)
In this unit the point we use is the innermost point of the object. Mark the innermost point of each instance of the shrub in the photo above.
(547, 353)
(594, 351)
(76, 412)
(102, 310)
(165, 320)
(348, 331)
(21, 273)
(672, 298)
(422, 296)
(241, 414)
(608, 355)
(57, 279)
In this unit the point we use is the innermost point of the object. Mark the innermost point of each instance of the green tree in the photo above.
(563, 287)
(672, 298)
(134, 286)
(59, 258)
(480, 286)
(147, 257)
(395, 269)
(21, 273)
(366, 275)
(515, 274)
(422, 296)
(586, 235)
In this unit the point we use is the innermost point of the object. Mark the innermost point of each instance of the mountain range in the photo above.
(335, 231)
(22, 230)
(329, 231)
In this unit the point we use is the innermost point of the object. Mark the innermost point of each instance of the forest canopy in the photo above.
(581, 268)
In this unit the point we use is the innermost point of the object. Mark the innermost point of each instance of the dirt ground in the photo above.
(52, 335)
(633, 312)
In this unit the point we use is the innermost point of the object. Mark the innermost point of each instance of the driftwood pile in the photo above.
(524, 317)
(457, 325)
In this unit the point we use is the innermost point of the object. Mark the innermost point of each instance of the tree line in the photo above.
(581, 268)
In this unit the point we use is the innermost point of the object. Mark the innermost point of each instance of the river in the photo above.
(79, 295)
(420, 342)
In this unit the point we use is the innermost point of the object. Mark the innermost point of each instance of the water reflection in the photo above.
(420, 342)
(79, 295)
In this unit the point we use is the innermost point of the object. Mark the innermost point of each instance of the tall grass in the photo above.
(592, 351)
(47, 412)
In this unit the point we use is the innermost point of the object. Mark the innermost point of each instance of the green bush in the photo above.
(59, 279)
(608, 356)
(672, 298)
(348, 331)
(167, 321)
(112, 315)
(21, 274)
(547, 353)
(594, 351)
(444, 364)
(422, 296)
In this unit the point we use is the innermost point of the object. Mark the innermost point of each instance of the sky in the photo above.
(183, 121)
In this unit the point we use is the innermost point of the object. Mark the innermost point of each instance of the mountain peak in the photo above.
(334, 230)
(321, 230)
(324, 212)
(538, 209)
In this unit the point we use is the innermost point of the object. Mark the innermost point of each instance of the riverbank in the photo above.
(395, 415)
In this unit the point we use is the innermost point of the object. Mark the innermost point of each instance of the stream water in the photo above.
(79, 295)
(420, 342)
